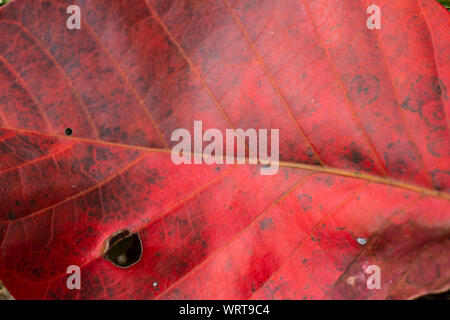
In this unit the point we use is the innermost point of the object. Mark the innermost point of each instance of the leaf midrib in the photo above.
(282, 164)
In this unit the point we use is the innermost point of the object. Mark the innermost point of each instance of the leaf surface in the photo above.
(364, 148)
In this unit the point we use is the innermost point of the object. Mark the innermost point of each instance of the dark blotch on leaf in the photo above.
(355, 155)
(123, 249)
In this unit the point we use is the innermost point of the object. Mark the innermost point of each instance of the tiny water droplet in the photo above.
(155, 284)
(362, 241)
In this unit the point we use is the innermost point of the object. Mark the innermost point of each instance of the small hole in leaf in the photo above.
(68, 131)
(123, 249)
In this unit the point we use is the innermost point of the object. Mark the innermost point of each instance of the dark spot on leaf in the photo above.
(364, 89)
(46, 5)
(433, 149)
(355, 155)
(169, 112)
(439, 175)
(312, 157)
(305, 201)
(427, 91)
(266, 224)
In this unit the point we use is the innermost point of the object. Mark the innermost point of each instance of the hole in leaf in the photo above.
(68, 131)
(123, 248)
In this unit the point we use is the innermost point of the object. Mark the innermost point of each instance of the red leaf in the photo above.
(364, 148)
